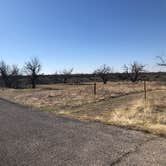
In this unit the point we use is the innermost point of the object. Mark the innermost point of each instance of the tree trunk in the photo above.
(105, 81)
(33, 82)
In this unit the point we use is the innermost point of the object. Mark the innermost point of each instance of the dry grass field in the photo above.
(117, 103)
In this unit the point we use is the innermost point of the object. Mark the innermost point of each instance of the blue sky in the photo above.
(82, 33)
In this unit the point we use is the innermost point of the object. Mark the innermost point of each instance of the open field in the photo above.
(118, 103)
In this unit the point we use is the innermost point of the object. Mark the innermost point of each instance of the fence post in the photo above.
(145, 90)
(95, 88)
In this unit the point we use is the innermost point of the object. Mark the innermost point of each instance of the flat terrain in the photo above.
(64, 95)
(29, 137)
(117, 103)
(129, 111)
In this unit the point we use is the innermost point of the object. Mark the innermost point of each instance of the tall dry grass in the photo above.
(118, 103)
(74, 95)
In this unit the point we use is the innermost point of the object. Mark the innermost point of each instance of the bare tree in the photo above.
(15, 71)
(4, 71)
(162, 61)
(66, 74)
(103, 72)
(14, 77)
(33, 67)
(134, 71)
(9, 75)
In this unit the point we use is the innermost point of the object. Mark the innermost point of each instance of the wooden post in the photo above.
(145, 90)
(95, 88)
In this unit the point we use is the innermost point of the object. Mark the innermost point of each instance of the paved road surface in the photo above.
(34, 138)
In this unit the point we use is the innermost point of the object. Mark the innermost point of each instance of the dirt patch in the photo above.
(120, 103)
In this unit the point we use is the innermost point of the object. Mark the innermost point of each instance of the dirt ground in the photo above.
(118, 103)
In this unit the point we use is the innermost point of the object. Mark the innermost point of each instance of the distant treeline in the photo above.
(25, 81)
(81, 78)
(11, 76)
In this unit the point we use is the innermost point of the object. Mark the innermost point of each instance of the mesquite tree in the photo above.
(33, 67)
(134, 71)
(162, 61)
(66, 74)
(103, 72)
(9, 75)
(4, 71)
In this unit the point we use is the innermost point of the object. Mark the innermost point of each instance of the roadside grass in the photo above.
(74, 95)
(128, 111)
(117, 103)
